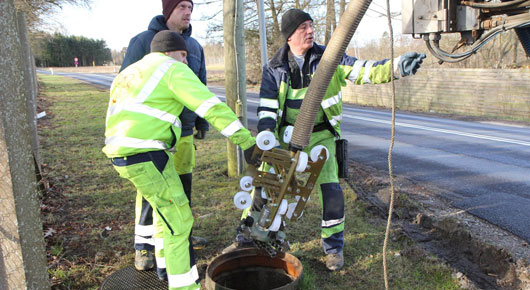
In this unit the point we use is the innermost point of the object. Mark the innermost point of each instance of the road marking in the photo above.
(426, 128)
(452, 132)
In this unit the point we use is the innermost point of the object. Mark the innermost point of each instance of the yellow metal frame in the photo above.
(285, 182)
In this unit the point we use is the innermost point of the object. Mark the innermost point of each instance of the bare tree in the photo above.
(334, 18)
(342, 7)
(37, 10)
(514, 49)
(275, 21)
(331, 21)
(504, 47)
(274, 9)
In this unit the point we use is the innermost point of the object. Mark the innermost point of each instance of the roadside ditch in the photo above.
(482, 255)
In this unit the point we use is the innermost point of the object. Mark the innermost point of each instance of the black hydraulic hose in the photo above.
(440, 56)
(303, 127)
(451, 57)
(491, 5)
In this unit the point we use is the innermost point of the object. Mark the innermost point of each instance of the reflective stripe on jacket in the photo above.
(277, 94)
(140, 45)
(146, 100)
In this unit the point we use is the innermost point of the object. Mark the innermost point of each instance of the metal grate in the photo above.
(130, 278)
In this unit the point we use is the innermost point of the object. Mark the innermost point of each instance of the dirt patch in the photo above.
(483, 255)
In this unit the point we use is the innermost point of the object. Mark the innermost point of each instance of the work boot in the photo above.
(335, 261)
(162, 274)
(144, 260)
(198, 242)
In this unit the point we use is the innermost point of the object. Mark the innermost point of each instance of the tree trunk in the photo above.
(330, 20)
(235, 79)
(275, 25)
(23, 257)
(334, 18)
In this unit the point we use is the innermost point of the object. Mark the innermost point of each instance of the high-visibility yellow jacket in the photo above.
(280, 92)
(146, 99)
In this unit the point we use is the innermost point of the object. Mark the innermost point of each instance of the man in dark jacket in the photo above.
(176, 17)
(286, 78)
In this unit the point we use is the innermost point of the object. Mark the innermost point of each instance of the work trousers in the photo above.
(330, 193)
(184, 160)
(156, 180)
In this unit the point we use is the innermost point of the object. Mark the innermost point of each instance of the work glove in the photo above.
(201, 134)
(409, 63)
(252, 160)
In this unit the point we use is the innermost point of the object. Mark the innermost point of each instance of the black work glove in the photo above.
(410, 62)
(200, 134)
(252, 160)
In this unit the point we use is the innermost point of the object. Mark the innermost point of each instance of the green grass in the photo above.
(87, 195)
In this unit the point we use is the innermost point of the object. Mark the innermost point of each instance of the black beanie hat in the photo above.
(291, 20)
(169, 5)
(167, 40)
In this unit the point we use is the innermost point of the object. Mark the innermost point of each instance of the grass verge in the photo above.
(88, 211)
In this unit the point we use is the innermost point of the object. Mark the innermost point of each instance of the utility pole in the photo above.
(22, 254)
(235, 75)
(262, 32)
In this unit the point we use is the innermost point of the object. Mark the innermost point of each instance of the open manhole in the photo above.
(253, 269)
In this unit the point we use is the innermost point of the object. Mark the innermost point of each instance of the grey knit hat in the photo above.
(291, 20)
(167, 40)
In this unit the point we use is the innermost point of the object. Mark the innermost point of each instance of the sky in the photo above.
(117, 21)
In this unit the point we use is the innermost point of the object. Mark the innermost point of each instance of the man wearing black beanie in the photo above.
(284, 83)
(291, 20)
(176, 16)
(168, 41)
(143, 124)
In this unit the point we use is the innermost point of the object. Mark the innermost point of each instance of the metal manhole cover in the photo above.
(130, 278)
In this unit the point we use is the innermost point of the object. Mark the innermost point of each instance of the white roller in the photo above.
(263, 194)
(282, 209)
(290, 210)
(242, 200)
(265, 140)
(298, 198)
(246, 183)
(302, 162)
(287, 134)
(315, 152)
(275, 226)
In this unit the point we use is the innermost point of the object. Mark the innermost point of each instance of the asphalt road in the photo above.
(484, 166)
